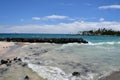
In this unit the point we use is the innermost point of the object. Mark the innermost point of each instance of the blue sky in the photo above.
(33, 14)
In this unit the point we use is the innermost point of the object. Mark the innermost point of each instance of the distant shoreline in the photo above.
(100, 32)
(93, 35)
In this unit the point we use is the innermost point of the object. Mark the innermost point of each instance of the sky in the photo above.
(58, 16)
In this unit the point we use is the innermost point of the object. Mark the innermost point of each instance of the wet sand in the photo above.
(113, 76)
(16, 70)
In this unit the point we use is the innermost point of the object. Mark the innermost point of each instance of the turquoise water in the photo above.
(92, 60)
(99, 57)
(88, 38)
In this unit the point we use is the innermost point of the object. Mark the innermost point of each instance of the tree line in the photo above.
(100, 31)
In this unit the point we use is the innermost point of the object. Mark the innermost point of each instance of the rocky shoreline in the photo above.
(14, 65)
(14, 69)
(43, 40)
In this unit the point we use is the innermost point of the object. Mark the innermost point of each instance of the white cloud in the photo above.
(101, 19)
(56, 17)
(53, 17)
(110, 7)
(36, 18)
(73, 27)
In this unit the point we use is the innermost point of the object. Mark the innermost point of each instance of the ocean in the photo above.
(88, 38)
(98, 58)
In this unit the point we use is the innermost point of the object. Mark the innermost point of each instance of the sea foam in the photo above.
(91, 43)
(104, 43)
(54, 73)
(48, 72)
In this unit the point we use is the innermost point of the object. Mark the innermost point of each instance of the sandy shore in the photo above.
(8, 49)
(114, 76)
(15, 70)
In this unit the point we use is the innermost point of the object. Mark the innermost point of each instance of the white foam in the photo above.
(70, 45)
(104, 43)
(89, 44)
(48, 72)
(54, 73)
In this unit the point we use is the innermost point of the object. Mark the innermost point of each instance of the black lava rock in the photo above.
(19, 59)
(26, 77)
(15, 59)
(4, 61)
(76, 73)
(42, 40)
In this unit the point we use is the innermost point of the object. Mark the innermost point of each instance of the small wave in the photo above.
(90, 43)
(104, 43)
(70, 44)
(48, 72)
(54, 73)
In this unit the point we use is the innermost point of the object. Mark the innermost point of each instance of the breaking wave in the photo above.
(54, 73)
(91, 43)
(104, 43)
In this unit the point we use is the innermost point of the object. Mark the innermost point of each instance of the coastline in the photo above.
(16, 49)
(14, 70)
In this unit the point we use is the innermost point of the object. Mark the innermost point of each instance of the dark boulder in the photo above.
(26, 77)
(4, 61)
(76, 73)
(19, 59)
(15, 59)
